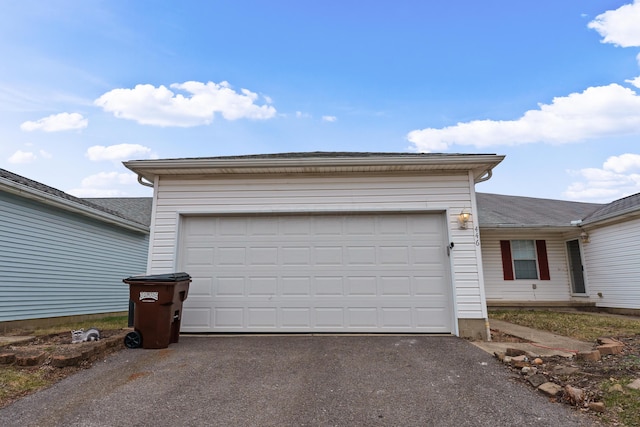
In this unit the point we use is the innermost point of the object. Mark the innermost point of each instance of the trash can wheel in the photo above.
(133, 339)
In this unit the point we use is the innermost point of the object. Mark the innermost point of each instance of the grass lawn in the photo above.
(16, 382)
(582, 326)
(105, 323)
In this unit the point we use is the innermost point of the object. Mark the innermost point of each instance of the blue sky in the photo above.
(553, 85)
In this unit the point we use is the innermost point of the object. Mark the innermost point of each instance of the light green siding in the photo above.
(57, 263)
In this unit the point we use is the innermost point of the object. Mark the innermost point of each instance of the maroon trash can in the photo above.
(157, 309)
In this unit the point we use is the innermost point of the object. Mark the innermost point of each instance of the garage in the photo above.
(317, 273)
(322, 241)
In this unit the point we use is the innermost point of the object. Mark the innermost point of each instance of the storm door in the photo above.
(576, 270)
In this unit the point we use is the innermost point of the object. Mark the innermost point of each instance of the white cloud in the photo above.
(56, 123)
(623, 163)
(635, 82)
(620, 27)
(301, 115)
(597, 112)
(117, 152)
(105, 184)
(22, 157)
(618, 177)
(329, 119)
(45, 154)
(159, 106)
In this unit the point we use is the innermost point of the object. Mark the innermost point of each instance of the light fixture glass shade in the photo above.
(463, 219)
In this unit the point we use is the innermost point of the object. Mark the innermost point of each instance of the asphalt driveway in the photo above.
(294, 381)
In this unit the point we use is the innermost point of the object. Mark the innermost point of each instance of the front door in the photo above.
(575, 267)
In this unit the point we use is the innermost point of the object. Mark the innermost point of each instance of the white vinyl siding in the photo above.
(56, 263)
(497, 289)
(612, 263)
(363, 194)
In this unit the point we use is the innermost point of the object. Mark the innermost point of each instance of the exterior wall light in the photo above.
(463, 219)
(584, 236)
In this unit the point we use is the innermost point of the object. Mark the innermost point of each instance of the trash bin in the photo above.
(157, 309)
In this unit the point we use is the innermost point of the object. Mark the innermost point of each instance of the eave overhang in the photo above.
(479, 164)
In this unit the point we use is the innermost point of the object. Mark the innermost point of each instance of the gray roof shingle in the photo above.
(137, 209)
(496, 210)
(35, 185)
(617, 207)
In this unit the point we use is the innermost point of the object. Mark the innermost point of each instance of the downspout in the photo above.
(487, 176)
(145, 183)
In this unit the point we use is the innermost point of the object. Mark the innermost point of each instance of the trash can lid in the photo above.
(170, 277)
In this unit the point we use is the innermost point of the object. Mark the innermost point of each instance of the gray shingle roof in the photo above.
(617, 207)
(137, 209)
(496, 210)
(330, 154)
(34, 185)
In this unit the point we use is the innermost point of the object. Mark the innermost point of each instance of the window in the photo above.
(523, 253)
(524, 259)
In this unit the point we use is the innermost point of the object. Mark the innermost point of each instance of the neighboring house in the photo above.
(540, 252)
(64, 256)
(322, 242)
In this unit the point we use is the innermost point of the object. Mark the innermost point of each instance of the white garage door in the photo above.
(316, 273)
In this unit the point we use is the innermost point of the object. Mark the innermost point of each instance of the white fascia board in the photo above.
(481, 164)
(69, 205)
(527, 227)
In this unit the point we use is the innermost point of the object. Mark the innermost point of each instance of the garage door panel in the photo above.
(200, 286)
(326, 273)
(296, 287)
(198, 319)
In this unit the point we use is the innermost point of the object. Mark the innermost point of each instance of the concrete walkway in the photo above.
(542, 343)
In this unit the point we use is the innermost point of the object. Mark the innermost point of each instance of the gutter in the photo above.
(69, 205)
(480, 164)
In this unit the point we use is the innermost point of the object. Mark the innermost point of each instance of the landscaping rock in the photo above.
(606, 349)
(7, 358)
(635, 385)
(514, 352)
(589, 356)
(616, 387)
(64, 360)
(574, 395)
(30, 359)
(537, 380)
(607, 340)
(564, 370)
(596, 406)
(550, 389)
(537, 361)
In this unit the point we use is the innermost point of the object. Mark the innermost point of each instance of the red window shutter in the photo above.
(543, 261)
(507, 263)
